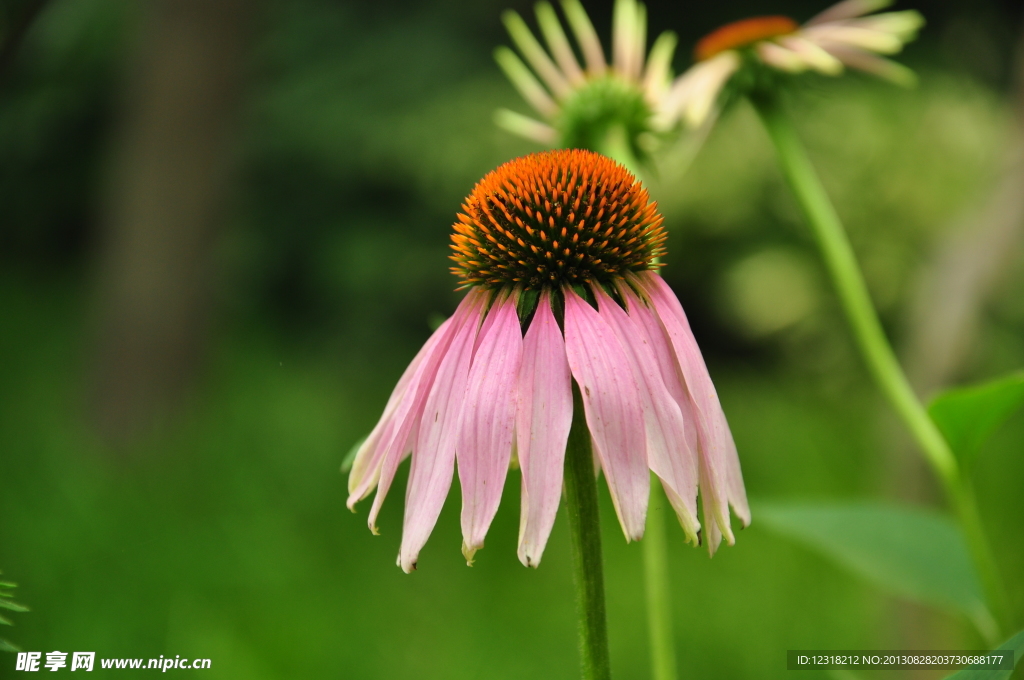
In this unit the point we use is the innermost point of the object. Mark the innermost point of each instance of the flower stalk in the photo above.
(616, 146)
(585, 538)
(658, 590)
(846, 276)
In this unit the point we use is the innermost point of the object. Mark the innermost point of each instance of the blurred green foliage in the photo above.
(908, 551)
(967, 415)
(225, 535)
(1014, 644)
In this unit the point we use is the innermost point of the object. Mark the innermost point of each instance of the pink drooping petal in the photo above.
(657, 74)
(484, 444)
(718, 489)
(812, 54)
(433, 460)
(558, 42)
(639, 42)
(523, 80)
(366, 466)
(712, 528)
(611, 401)
(870, 63)
(397, 442)
(693, 94)
(488, 319)
(734, 478)
(779, 57)
(527, 127)
(847, 9)
(672, 451)
(628, 37)
(543, 418)
(856, 36)
(737, 492)
(586, 37)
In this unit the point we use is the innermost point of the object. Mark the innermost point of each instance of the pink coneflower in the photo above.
(558, 251)
(839, 37)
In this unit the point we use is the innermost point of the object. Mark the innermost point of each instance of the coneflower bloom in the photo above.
(578, 103)
(840, 36)
(558, 253)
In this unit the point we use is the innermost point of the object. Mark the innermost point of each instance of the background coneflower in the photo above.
(840, 36)
(597, 104)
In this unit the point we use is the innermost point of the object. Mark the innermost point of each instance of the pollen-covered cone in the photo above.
(558, 251)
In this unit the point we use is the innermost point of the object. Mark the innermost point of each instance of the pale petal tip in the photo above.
(727, 535)
(469, 551)
(691, 530)
(408, 565)
(743, 514)
(527, 559)
(353, 500)
(637, 533)
(689, 523)
(730, 538)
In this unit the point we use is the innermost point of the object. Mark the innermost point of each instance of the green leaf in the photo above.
(1016, 643)
(911, 552)
(6, 646)
(5, 621)
(968, 415)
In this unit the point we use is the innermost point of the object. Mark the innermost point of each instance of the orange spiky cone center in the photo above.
(555, 218)
(743, 33)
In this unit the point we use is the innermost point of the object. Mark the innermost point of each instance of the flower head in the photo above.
(841, 36)
(580, 104)
(550, 220)
(558, 252)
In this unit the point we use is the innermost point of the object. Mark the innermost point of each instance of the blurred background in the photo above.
(223, 235)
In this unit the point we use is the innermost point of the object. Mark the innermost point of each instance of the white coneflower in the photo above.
(839, 37)
(581, 103)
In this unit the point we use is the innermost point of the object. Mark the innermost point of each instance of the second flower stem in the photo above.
(585, 537)
(655, 543)
(659, 603)
(867, 330)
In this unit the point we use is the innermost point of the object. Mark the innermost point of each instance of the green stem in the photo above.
(867, 330)
(655, 551)
(616, 146)
(659, 603)
(585, 533)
